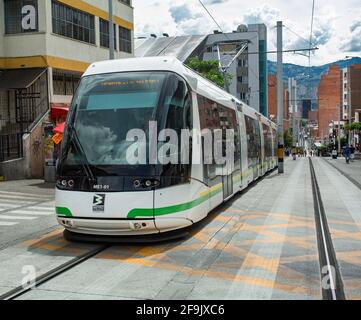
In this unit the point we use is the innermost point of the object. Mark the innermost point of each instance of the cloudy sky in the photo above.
(337, 23)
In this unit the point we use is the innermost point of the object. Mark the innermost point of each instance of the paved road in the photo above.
(342, 202)
(260, 245)
(26, 209)
(353, 169)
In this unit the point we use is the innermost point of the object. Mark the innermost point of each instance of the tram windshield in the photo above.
(106, 107)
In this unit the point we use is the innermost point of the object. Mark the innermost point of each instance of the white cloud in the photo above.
(336, 26)
(353, 43)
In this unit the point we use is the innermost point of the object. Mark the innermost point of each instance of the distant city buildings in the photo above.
(306, 108)
(293, 90)
(273, 105)
(329, 100)
(339, 89)
(249, 71)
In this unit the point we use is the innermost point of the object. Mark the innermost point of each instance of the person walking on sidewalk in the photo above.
(347, 154)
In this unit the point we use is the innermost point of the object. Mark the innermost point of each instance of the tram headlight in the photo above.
(136, 183)
(65, 184)
(148, 183)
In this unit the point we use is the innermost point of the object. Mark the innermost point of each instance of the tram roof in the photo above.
(197, 82)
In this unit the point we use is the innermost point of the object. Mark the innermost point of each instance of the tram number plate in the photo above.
(101, 187)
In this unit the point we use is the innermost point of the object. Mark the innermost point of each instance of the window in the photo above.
(267, 134)
(212, 117)
(242, 79)
(243, 96)
(253, 141)
(104, 33)
(65, 84)
(127, 2)
(125, 40)
(243, 63)
(21, 16)
(73, 23)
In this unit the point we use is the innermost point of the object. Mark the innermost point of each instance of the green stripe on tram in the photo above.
(65, 212)
(171, 209)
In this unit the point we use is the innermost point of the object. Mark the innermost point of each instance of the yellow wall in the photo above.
(43, 61)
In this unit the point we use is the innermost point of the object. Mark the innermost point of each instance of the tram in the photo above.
(103, 189)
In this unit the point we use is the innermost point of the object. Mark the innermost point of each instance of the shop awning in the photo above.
(59, 128)
(58, 110)
(19, 78)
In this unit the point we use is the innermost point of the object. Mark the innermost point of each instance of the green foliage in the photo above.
(209, 69)
(356, 126)
(287, 139)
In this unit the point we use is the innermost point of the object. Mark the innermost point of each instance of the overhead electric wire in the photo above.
(215, 21)
(296, 34)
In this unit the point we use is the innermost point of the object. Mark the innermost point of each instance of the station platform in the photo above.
(262, 244)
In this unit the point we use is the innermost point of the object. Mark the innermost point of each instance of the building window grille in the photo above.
(104, 33)
(20, 16)
(125, 40)
(65, 84)
(73, 23)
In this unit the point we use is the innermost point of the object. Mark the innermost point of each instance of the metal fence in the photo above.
(11, 146)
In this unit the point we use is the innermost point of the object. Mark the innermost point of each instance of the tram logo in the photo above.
(98, 203)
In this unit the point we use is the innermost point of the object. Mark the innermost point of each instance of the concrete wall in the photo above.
(26, 44)
(32, 163)
(13, 170)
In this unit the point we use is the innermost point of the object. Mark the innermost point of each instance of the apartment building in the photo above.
(45, 46)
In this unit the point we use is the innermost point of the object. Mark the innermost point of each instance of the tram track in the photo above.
(38, 281)
(331, 281)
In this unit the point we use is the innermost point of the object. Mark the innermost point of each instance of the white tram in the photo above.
(99, 193)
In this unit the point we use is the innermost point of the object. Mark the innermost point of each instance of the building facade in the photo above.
(249, 71)
(330, 99)
(272, 102)
(292, 89)
(306, 108)
(45, 46)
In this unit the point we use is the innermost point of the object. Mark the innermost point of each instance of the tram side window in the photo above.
(209, 119)
(178, 103)
(251, 140)
(267, 140)
(176, 115)
(228, 120)
(257, 139)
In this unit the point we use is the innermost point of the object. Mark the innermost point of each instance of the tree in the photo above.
(288, 140)
(209, 69)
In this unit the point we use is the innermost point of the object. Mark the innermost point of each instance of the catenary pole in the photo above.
(339, 130)
(111, 31)
(280, 97)
(349, 102)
